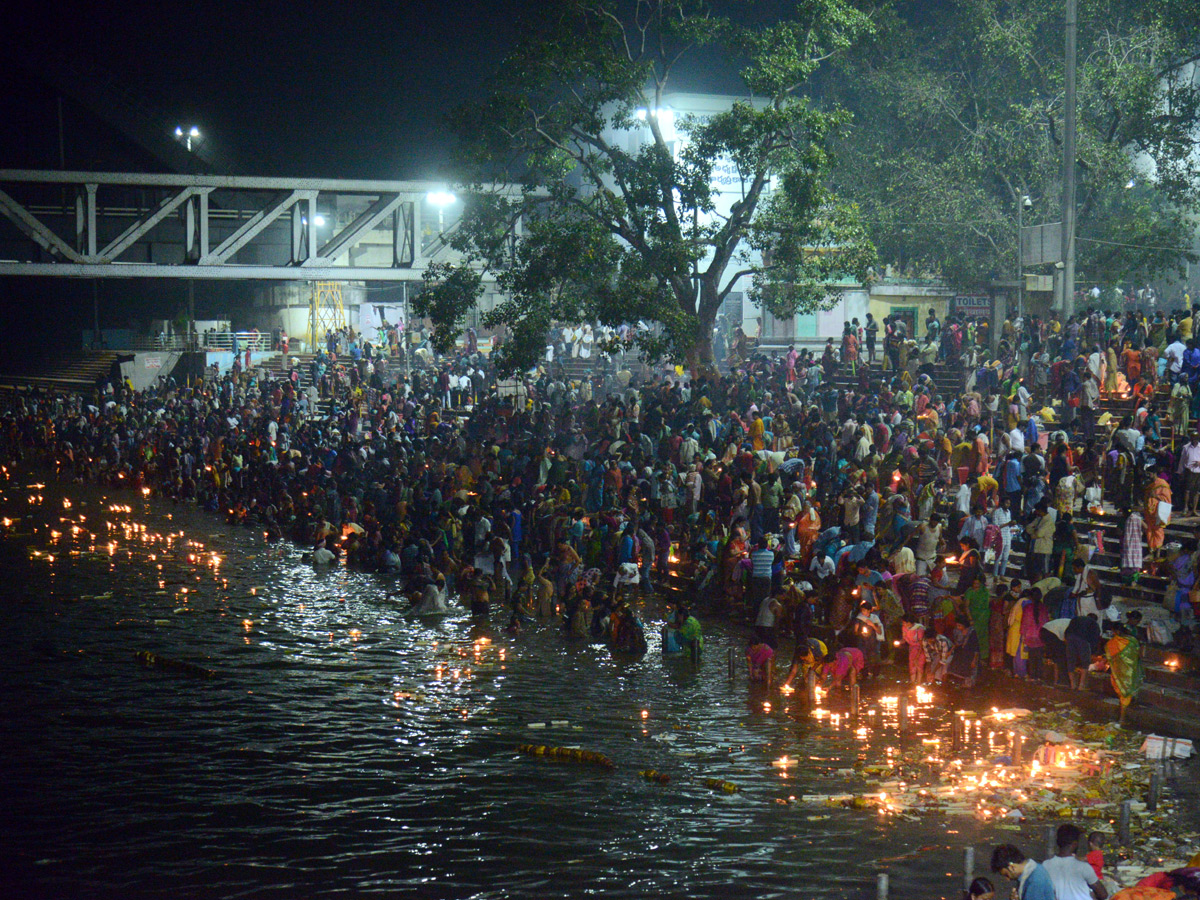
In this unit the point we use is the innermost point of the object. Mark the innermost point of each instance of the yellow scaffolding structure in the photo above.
(325, 313)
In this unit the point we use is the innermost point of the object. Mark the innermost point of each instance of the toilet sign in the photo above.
(972, 304)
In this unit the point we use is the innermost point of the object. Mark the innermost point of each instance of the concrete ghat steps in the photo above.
(77, 372)
(1170, 677)
(1178, 702)
(279, 366)
(948, 381)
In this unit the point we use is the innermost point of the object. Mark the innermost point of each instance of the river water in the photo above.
(345, 749)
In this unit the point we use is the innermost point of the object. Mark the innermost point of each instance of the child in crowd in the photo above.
(1095, 855)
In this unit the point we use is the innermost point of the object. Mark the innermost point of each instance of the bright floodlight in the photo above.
(193, 131)
(319, 221)
(440, 198)
(178, 132)
(664, 114)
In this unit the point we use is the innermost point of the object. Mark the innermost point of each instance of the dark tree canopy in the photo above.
(584, 225)
(959, 114)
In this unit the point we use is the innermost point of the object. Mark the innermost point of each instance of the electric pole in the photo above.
(1068, 211)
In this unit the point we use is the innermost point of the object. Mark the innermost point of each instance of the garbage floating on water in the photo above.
(718, 785)
(1157, 747)
(1018, 765)
(154, 661)
(567, 754)
(654, 775)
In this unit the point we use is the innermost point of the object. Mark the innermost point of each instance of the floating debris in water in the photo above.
(154, 661)
(567, 754)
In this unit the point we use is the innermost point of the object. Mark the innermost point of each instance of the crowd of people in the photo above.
(1077, 872)
(857, 511)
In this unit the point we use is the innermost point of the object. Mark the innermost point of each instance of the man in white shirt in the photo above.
(1073, 879)
(962, 499)
(1174, 357)
(1189, 468)
(821, 566)
(1096, 364)
(1016, 440)
(694, 482)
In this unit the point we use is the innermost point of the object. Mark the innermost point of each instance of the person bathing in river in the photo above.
(868, 633)
(807, 657)
(964, 666)
(690, 636)
(844, 665)
(433, 598)
(913, 634)
(760, 660)
(478, 593)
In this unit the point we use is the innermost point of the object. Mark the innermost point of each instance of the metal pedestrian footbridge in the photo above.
(121, 225)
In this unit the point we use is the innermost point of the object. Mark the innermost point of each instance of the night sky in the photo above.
(352, 89)
(357, 89)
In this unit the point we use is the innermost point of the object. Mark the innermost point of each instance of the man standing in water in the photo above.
(1073, 879)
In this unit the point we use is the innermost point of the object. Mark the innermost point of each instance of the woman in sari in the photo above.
(998, 625)
(1012, 638)
(1033, 616)
(1110, 370)
(1124, 655)
(808, 526)
(1158, 492)
(979, 609)
(850, 349)
(758, 429)
(731, 566)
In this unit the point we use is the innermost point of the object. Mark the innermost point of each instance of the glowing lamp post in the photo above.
(187, 135)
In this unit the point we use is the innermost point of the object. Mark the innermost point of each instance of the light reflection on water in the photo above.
(346, 747)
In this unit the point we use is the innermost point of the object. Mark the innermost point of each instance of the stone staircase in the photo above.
(78, 372)
(577, 369)
(950, 381)
(280, 367)
(1171, 687)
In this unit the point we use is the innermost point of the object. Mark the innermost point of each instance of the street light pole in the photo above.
(1068, 219)
(407, 342)
(1020, 266)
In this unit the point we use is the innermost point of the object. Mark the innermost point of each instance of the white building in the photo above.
(852, 300)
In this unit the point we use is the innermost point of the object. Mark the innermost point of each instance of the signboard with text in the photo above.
(972, 305)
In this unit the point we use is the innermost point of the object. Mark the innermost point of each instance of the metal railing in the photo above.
(256, 341)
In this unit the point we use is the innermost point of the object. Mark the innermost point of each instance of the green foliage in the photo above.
(958, 115)
(574, 221)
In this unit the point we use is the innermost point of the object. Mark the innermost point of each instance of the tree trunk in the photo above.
(700, 360)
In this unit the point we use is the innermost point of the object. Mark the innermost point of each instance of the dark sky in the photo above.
(351, 89)
(317, 88)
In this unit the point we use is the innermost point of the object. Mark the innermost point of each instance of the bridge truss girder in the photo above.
(115, 225)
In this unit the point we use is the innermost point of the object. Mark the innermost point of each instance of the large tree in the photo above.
(584, 224)
(958, 114)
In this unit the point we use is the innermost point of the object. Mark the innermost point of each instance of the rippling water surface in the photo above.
(347, 749)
